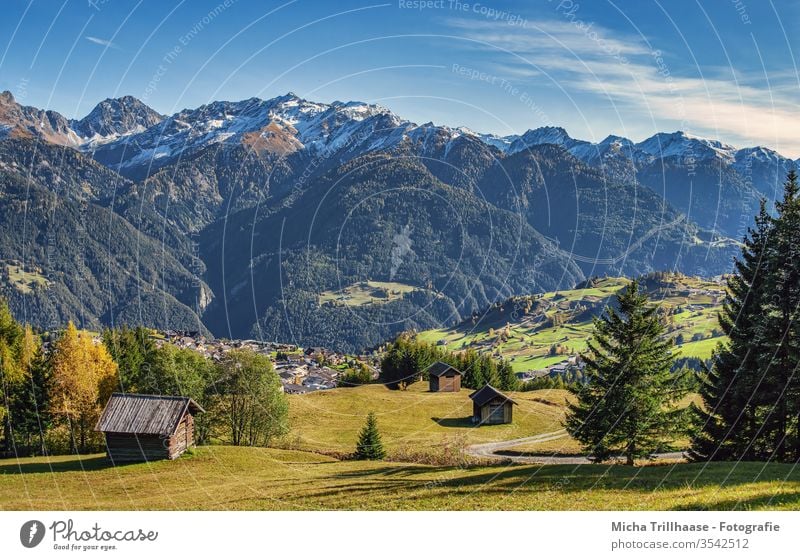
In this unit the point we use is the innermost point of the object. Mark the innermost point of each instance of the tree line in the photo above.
(54, 390)
(406, 359)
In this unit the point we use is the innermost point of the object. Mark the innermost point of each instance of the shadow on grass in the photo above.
(43, 465)
(574, 479)
(763, 501)
(513, 453)
(465, 422)
(390, 470)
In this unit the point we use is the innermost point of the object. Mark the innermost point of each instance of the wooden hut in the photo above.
(443, 378)
(490, 406)
(147, 427)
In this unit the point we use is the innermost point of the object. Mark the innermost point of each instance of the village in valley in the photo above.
(542, 336)
(301, 370)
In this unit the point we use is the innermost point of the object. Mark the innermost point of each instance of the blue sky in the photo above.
(722, 69)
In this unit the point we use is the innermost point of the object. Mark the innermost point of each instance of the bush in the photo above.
(358, 375)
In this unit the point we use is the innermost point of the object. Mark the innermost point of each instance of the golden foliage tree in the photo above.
(82, 378)
(11, 371)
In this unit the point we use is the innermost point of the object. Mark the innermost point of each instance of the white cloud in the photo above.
(102, 42)
(649, 91)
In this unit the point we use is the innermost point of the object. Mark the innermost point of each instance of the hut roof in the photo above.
(129, 413)
(486, 394)
(438, 369)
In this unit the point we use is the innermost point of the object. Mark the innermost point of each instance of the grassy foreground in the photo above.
(227, 478)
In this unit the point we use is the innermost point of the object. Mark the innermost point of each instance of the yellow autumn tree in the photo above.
(11, 372)
(82, 377)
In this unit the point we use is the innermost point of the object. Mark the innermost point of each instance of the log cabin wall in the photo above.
(123, 448)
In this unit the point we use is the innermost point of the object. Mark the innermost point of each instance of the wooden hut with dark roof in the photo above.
(490, 406)
(147, 427)
(443, 378)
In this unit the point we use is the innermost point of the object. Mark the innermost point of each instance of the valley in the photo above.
(341, 224)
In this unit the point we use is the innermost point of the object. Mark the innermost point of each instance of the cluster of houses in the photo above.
(215, 349)
(300, 371)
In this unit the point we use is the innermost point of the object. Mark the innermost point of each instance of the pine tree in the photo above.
(629, 405)
(780, 350)
(133, 350)
(732, 389)
(28, 412)
(369, 444)
(508, 379)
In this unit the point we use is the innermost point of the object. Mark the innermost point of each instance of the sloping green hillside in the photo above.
(412, 421)
(534, 332)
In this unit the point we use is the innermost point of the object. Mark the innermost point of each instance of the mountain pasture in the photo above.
(413, 422)
(241, 478)
(542, 330)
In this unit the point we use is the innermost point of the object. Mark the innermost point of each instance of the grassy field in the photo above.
(25, 281)
(411, 421)
(226, 478)
(366, 293)
(230, 478)
(564, 319)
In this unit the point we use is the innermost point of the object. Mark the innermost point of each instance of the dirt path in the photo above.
(495, 450)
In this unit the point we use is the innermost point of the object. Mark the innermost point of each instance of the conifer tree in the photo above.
(629, 405)
(133, 350)
(369, 444)
(779, 353)
(508, 379)
(730, 421)
(28, 412)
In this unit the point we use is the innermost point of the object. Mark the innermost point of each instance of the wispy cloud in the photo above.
(644, 84)
(102, 42)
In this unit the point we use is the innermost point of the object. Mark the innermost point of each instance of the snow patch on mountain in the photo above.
(125, 134)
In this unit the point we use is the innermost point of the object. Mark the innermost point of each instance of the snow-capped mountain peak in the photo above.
(681, 144)
(113, 118)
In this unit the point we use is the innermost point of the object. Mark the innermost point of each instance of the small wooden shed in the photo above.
(147, 427)
(490, 406)
(443, 378)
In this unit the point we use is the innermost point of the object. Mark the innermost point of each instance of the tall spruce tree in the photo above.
(133, 350)
(28, 413)
(369, 444)
(752, 393)
(730, 420)
(629, 405)
(780, 351)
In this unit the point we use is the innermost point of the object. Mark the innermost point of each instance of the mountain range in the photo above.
(236, 217)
